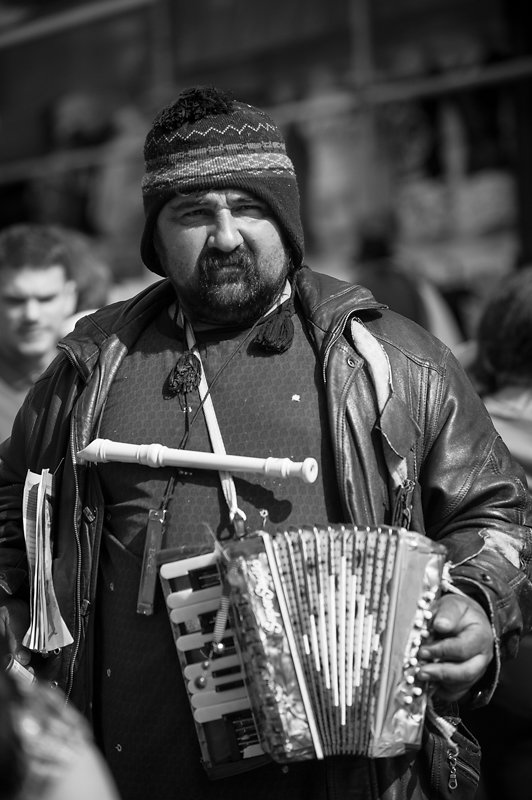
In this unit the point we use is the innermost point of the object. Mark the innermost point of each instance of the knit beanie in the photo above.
(206, 140)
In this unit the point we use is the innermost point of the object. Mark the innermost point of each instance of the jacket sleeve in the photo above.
(38, 439)
(475, 501)
(13, 561)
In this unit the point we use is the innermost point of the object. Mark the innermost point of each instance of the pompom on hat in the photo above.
(206, 140)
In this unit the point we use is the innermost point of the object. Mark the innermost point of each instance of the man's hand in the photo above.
(14, 622)
(461, 648)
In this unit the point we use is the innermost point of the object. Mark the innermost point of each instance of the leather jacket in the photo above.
(463, 487)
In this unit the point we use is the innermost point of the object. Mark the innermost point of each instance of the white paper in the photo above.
(47, 631)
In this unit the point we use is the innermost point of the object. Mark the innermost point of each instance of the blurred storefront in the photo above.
(416, 107)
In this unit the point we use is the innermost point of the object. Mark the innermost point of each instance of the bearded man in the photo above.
(296, 364)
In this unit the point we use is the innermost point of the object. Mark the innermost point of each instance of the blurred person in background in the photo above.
(378, 267)
(502, 365)
(50, 276)
(502, 373)
(46, 748)
(91, 269)
(97, 167)
(37, 294)
(75, 123)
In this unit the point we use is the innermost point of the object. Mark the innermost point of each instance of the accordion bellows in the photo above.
(329, 622)
(318, 653)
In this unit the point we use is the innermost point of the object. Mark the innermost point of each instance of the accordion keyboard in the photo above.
(216, 687)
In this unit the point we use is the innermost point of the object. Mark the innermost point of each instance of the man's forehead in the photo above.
(31, 275)
(210, 195)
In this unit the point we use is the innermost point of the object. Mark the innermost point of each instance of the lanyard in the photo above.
(236, 515)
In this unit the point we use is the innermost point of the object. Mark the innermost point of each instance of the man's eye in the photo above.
(13, 302)
(193, 214)
(250, 209)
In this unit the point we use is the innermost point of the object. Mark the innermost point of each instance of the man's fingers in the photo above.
(464, 672)
(453, 681)
(455, 613)
(460, 629)
(461, 649)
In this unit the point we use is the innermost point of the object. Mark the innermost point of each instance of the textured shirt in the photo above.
(266, 405)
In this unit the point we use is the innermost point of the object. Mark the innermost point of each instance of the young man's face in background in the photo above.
(34, 304)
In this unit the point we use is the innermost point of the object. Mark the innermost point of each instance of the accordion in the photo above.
(319, 653)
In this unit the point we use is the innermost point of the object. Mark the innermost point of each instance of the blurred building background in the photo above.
(416, 108)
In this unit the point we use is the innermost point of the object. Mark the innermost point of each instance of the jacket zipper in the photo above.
(453, 760)
(334, 338)
(75, 651)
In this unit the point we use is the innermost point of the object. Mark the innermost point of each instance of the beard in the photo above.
(233, 289)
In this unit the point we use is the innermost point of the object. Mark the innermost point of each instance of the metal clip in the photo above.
(452, 758)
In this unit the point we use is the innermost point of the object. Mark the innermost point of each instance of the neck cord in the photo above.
(194, 363)
(236, 515)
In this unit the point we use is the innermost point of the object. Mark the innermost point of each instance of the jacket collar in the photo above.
(327, 305)
(123, 321)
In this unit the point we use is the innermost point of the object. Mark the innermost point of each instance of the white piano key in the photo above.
(179, 615)
(195, 641)
(189, 597)
(176, 569)
(209, 699)
(192, 671)
(203, 715)
(207, 683)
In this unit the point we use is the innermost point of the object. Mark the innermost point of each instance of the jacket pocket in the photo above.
(455, 766)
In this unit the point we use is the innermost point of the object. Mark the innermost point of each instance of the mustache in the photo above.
(216, 259)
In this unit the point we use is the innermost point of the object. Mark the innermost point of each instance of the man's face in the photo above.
(224, 255)
(34, 304)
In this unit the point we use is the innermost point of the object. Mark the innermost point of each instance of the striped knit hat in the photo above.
(206, 140)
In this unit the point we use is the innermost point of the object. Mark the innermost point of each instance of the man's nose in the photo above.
(32, 309)
(225, 234)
